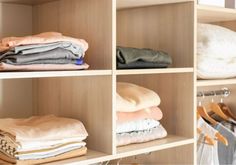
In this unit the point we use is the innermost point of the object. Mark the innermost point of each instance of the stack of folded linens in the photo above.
(41, 139)
(134, 58)
(216, 52)
(45, 51)
(138, 115)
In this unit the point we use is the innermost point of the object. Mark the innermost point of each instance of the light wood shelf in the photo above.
(122, 4)
(216, 82)
(45, 74)
(154, 71)
(168, 142)
(90, 158)
(171, 141)
(215, 14)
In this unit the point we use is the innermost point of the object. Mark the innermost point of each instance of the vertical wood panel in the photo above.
(15, 20)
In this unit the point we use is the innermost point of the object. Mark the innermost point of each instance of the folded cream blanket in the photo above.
(215, 41)
(216, 68)
(42, 128)
(131, 97)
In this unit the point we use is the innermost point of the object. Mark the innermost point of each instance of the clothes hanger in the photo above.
(214, 107)
(201, 112)
(226, 108)
(208, 139)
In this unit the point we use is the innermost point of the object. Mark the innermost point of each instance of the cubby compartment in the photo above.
(89, 20)
(168, 156)
(73, 97)
(175, 91)
(159, 27)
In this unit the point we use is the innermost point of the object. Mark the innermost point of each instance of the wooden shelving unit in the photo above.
(90, 95)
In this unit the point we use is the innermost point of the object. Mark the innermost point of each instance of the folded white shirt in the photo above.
(49, 153)
(137, 125)
(141, 136)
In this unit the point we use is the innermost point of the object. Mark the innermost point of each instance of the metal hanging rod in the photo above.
(225, 92)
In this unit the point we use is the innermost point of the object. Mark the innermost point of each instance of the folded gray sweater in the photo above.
(77, 50)
(55, 54)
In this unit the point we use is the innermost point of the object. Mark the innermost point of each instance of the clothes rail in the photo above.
(225, 92)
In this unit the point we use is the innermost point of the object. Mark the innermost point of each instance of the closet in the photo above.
(90, 95)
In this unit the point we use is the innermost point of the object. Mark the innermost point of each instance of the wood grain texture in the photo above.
(167, 157)
(163, 27)
(121, 4)
(27, 2)
(85, 98)
(175, 91)
(87, 19)
(208, 14)
(15, 20)
(16, 99)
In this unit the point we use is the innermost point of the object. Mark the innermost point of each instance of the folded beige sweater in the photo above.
(131, 97)
(42, 128)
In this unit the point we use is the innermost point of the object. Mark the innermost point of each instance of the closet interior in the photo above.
(90, 95)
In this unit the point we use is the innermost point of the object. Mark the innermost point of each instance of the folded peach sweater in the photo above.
(42, 38)
(147, 113)
(131, 97)
(42, 128)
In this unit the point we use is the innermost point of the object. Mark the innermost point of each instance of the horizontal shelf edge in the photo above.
(124, 4)
(103, 157)
(154, 71)
(215, 14)
(48, 74)
(215, 82)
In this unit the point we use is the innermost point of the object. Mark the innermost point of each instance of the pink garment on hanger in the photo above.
(42, 67)
(147, 113)
(42, 38)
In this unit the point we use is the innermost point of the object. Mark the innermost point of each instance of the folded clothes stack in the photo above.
(133, 58)
(138, 115)
(45, 51)
(42, 139)
(216, 52)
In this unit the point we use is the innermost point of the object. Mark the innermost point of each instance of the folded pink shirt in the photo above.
(147, 113)
(42, 38)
